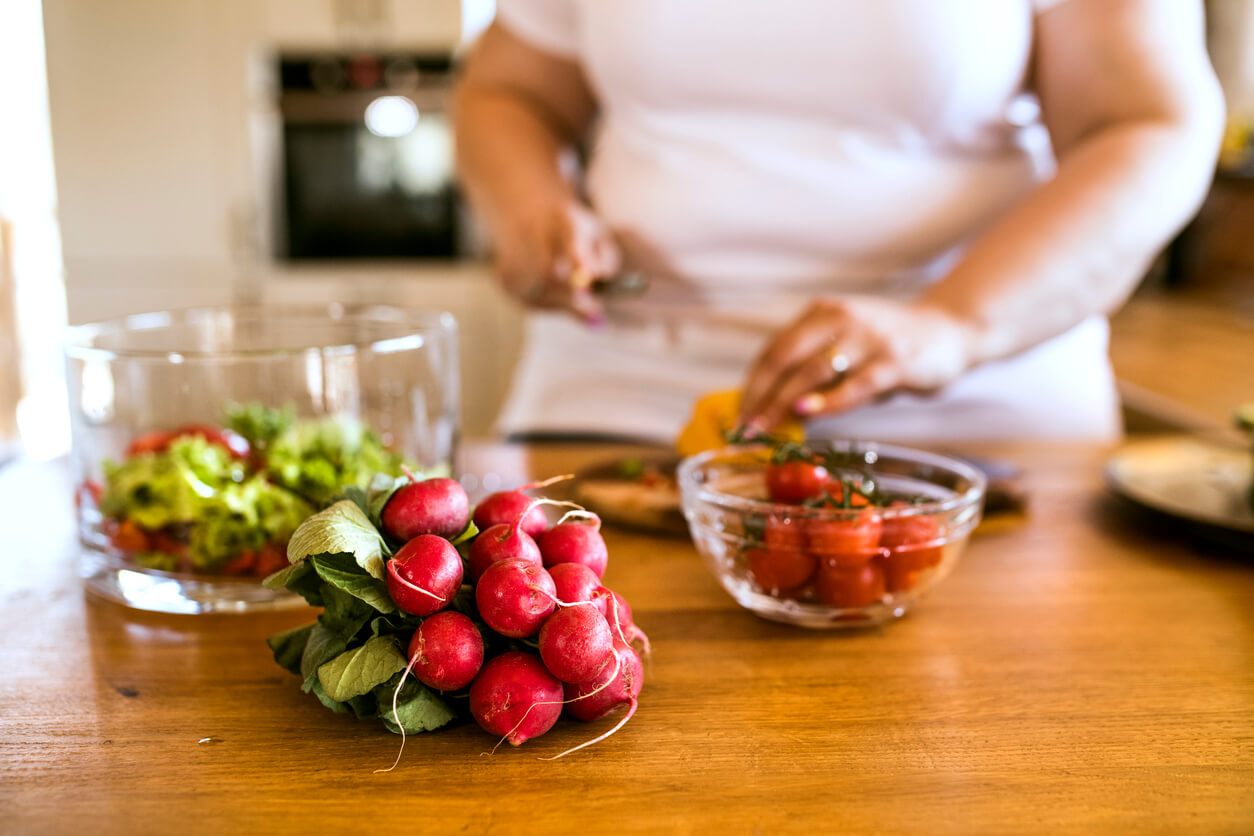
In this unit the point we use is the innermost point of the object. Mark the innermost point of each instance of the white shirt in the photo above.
(752, 154)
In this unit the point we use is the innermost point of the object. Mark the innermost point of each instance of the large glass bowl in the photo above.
(347, 390)
(831, 567)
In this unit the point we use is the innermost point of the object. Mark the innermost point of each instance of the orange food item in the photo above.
(270, 559)
(130, 537)
(241, 564)
(718, 413)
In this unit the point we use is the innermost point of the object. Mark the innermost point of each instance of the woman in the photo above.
(900, 219)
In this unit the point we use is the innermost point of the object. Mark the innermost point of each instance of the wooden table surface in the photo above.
(1078, 672)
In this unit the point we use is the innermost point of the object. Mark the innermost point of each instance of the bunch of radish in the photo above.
(521, 619)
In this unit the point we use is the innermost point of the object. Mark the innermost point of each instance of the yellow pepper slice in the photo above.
(718, 413)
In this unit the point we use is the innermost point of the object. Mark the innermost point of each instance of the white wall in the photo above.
(1231, 35)
(154, 109)
(32, 300)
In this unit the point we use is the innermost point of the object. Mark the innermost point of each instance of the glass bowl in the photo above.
(202, 437)
(831, 567)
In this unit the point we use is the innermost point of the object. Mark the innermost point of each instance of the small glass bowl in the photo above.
(350, 379)
(826, 567)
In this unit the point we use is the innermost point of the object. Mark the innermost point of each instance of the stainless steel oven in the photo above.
(367, 166)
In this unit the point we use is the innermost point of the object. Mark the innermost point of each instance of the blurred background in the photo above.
(158, 154)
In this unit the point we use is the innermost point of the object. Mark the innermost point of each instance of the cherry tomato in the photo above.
(154, 442)
(845, 542)
(270, 559)
(795, 482)
(130, 537)
(858, 586)
(89, 491)
(898, 578)
(780, 571)
(914, 542)
(784, 534)
(241, 564)
(159, 541)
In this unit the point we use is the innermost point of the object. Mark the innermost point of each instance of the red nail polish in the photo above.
(808, 405)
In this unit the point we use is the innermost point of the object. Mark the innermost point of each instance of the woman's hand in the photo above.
(842, 353)
(551, 256)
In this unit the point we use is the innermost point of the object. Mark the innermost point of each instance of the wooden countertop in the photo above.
(1077, 672)
(1182, 354)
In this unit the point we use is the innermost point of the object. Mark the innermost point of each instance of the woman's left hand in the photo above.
(843, 352)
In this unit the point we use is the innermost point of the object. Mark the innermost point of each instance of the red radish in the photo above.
(515, 597)
(447, 651)
(627, 679)
(424, 575)
(432, 506)
(508, 506)
(501, 542)
(504, 507)
(623, 617)
(575, 582)
(515, 697)
(575, 542)
(576, 643)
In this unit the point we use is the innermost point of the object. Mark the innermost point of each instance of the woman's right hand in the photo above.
(550, 257)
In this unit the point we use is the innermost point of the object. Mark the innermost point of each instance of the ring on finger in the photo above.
(838, 361)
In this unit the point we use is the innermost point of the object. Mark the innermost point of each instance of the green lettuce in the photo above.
(258, 424)
(173, 486)
(245, 517)
(316, 459)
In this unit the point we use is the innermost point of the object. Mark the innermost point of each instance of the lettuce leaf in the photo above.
(341, 529)
(316, 459)
(358, 671)
(417, 708)
(289, 646)
(173, 486)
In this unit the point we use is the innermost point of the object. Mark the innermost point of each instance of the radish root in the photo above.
(396, 717)
(559, 601)
(552, 480)
(639, 635)
(414, 586)
(582, 514)
(631, 712)
(618, 668)
(542, 501)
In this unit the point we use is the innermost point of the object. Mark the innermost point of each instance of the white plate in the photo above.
(1188, 478)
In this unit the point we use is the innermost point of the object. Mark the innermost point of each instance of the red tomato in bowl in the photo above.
(794, 482)
(844, 587)
(785, 533)
(850, 541)
(914, 542)
(780, 571)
